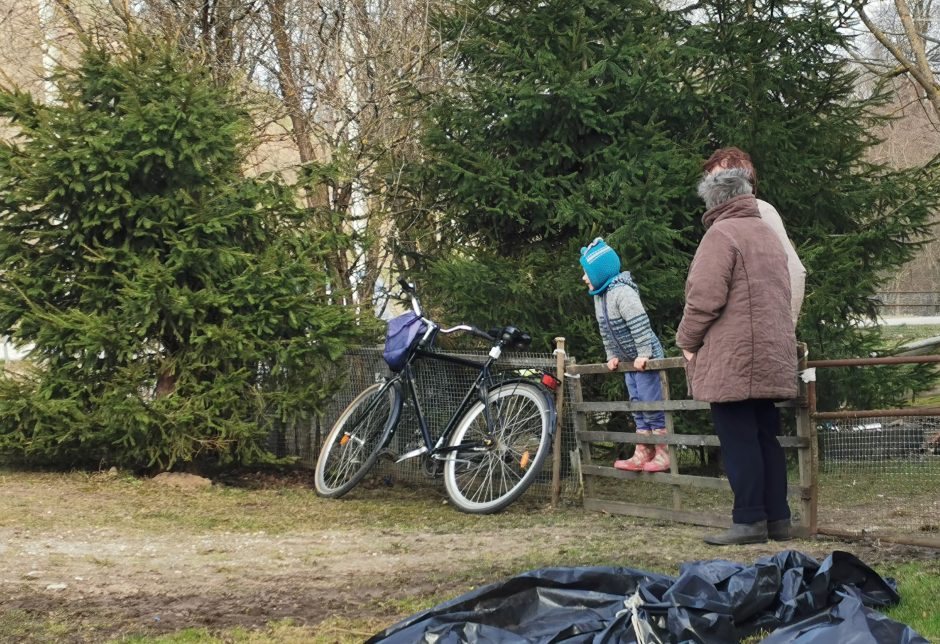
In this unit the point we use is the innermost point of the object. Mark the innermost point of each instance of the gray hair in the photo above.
(719, 187)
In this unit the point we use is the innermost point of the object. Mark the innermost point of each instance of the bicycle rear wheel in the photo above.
(356, 438)
(488, 471)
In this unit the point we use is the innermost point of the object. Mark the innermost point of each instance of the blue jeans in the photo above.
(645, 386)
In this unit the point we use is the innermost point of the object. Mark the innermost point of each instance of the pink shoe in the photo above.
(635, 463)
(660, 460)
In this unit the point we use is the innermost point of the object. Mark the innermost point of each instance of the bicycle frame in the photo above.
(479, 387)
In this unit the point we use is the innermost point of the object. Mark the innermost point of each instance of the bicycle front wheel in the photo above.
(356, 439)
(491, 468)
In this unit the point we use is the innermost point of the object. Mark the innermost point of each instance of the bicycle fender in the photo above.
(395, 412)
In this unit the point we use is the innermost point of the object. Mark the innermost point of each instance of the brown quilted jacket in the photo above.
(737, 310)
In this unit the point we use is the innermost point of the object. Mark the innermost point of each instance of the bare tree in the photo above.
(908, 36)
(334, 85)
(347, 72)
(339, 78)
(907, 141)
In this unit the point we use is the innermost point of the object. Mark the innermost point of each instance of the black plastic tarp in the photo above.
(790, 595)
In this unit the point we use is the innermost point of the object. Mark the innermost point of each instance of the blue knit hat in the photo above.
(601, 264)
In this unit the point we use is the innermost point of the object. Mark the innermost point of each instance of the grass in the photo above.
(929, 400)
(853, 496)
(336, 630)
(129, 503)
(53, 504)
(919, 587)
(860, 483)
(18, 625)
(282, 632)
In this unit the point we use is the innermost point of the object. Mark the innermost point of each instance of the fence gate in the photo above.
(691, 492)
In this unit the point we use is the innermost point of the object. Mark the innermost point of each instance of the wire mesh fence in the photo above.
(441, 387)
(881, 477)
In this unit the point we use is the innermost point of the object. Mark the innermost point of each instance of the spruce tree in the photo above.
(562, 130)
(173, 307)
(579, 119)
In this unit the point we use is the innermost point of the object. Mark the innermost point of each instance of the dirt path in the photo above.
(79, 554)
(171, 581)
(97, 557)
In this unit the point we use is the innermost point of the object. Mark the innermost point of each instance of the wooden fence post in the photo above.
(807, 456)
(674, 449)
(586, 484)
(560, 358)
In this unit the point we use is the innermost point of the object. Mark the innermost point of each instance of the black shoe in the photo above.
(779, 530)
(740, 533)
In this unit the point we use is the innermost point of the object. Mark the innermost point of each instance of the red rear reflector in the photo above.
(550, 381)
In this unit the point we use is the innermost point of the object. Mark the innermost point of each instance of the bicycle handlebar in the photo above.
(472, 330)
(406, 286)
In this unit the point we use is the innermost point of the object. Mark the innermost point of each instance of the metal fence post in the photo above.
(585, 484)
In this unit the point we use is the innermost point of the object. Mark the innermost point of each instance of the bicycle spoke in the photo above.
(493, 477)
(474, 470)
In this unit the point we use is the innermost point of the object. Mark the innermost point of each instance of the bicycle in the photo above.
(493, 446)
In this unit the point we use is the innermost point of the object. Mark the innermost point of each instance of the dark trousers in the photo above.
(754, 461)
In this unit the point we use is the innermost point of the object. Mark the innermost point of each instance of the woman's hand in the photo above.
(688, 355)
(640, 363)
(613, 363)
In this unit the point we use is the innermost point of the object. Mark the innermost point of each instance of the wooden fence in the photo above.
(804, 442)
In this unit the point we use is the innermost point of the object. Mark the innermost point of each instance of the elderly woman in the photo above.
(738, 339)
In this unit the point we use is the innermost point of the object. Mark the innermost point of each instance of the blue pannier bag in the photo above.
(403, 332)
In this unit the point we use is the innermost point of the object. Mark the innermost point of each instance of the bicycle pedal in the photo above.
(415, 452)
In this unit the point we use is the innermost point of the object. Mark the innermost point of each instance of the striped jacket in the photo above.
(628, 322)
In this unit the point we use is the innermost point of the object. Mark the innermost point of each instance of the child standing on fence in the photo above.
(627, 335)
